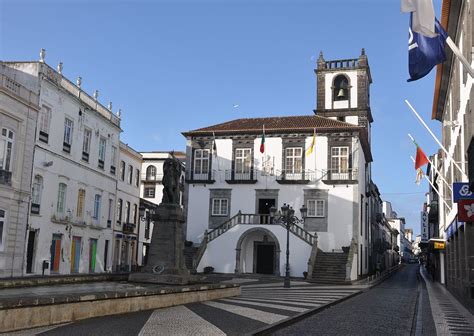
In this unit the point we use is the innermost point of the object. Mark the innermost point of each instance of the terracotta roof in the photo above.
(275, 124)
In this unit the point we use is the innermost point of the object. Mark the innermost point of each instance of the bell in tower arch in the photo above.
(341, 88)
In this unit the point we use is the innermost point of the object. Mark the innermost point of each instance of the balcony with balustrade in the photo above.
(233, 176)
(297, 177)
(200, 177)
(341, 176)
(151, 177)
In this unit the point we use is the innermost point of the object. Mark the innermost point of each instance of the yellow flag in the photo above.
(309, 151)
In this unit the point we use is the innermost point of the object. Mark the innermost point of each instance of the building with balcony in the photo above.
(18, 117)
(127, 222)
(74, 185)
(322, 162)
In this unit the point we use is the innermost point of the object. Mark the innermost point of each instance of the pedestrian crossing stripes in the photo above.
(261, 305)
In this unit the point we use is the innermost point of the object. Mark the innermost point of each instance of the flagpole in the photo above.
(435, 138)
(432, 186)
(433, 166)
(454, 48)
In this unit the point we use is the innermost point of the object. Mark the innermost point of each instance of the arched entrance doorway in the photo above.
(257, 251)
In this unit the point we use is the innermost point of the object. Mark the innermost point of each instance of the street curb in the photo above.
(267, 330)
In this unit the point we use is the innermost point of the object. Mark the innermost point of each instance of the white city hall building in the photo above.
(232, 186)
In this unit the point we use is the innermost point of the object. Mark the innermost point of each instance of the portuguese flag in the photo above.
(262, 143)
(420, 160)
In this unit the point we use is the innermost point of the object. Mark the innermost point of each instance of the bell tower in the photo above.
(343, 90)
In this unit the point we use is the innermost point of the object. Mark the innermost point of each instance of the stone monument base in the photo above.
(165, 263)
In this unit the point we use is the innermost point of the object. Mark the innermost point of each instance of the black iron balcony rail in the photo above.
(233, 176)
(345, 175)
(200, 177)
(287, 176)
(151, 177)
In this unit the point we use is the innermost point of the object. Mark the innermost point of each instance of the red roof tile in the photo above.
(275, 124)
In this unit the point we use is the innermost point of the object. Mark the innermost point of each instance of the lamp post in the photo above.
(287, 217)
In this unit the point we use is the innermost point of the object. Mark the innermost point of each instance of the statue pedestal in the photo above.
(165, 264)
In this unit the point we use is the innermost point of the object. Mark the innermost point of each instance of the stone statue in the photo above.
(171, 177)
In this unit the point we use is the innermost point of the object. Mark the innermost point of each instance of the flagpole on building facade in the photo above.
(454, 48)
(433, 166)
(434, 188)
(435, 138)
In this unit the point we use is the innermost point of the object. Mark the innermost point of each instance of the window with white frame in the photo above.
(102, 145)
(135, 213)
(220, 206)
(44, 123)
(110, 212)
(137, 177)
(340, 159)
(127, 212)
(68, 129)
(149, 192)
(2, 227)
(201, 161)
(37, 190)
(243, 160)
(97, 203)
(81, 197)
(316, 208)
(113, 159)
(61, 204)
(86, 144)
(151, 172)
(122, 170)
(6, 149)
(293, 160)
(130, 174)
(119, 211)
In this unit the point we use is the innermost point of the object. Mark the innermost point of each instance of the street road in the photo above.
(387, 309)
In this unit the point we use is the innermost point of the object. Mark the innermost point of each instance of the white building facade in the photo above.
(18, 117)
(74, 175)
(126, 227)
(231, 184)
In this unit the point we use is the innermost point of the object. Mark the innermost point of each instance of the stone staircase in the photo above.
(330, 268)
(189, 254)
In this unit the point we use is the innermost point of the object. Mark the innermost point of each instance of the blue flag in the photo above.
(425, 52)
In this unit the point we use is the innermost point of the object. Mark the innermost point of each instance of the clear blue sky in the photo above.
(178, 65)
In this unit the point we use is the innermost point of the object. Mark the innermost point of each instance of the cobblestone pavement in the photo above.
(259, 305)
(387, 309)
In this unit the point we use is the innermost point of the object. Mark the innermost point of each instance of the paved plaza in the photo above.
(407, 303)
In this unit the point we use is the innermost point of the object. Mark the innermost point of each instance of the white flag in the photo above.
(423, 19)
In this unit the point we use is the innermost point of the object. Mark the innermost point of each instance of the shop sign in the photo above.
(439, 245)
(466, 210)
(424, 227)
(461, 191)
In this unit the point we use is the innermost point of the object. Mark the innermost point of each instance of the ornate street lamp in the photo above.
(288, 218)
